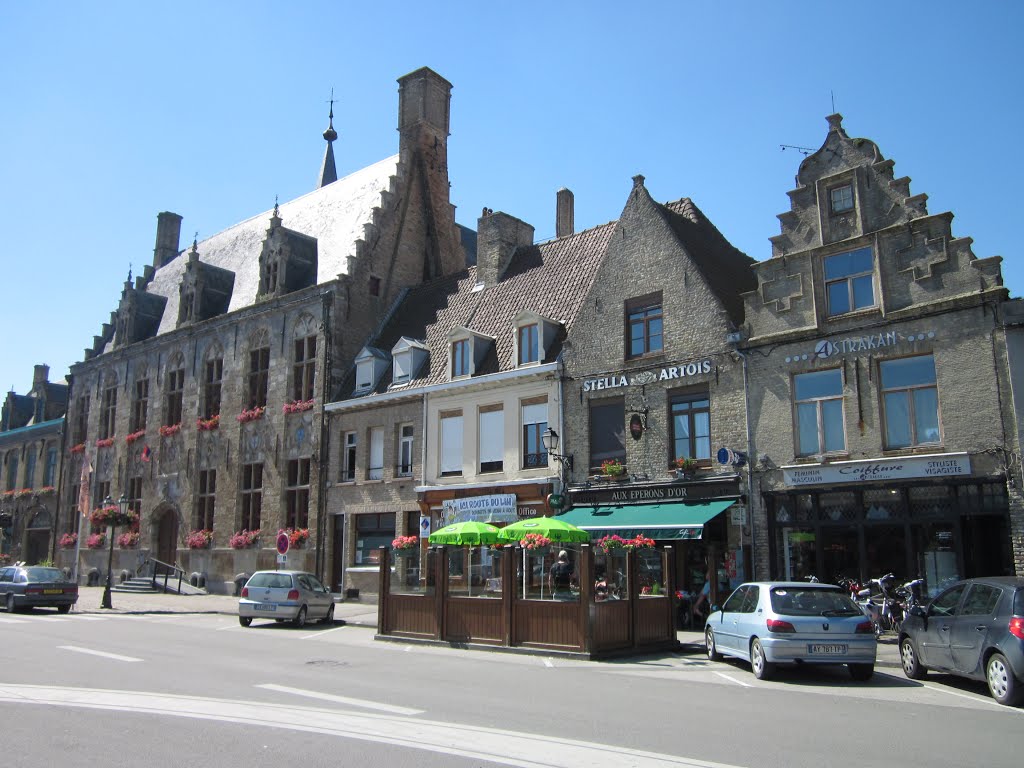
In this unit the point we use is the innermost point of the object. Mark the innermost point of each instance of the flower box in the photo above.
(615, 543)
(128, 540)
(68, 540)
(105, 442)
(298, 406)
(168, 430)
(7, 495)
(244, 539)
(80, 448)
(112, 516)
(46, 490)
(96, 541)
(199, 539)
(129, 439)
(535, 544)
(208, 425)
(251, 414)
(297, 537)
(23, 493)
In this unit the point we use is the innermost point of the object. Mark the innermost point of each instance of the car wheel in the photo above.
(329, 618)
(245, 621)
(10, 602)
(761, 667)
(709, 641)
(862, 672)
(63, 608)
(1001, 683)
(300, 617)
(910, 661)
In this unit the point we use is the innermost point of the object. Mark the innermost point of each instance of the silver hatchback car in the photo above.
(766, 623)
(294, 596)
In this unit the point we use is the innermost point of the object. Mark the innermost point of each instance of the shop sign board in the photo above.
(906, 467)
(499, 508)
(669, 373)
(424, 526)
(826, 348)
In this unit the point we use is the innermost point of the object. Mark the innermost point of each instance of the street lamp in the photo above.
(123, 504)
(550, 440)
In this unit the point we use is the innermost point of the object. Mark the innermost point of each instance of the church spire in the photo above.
(328, 172)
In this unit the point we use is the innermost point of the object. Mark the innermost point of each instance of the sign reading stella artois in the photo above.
(669, 373)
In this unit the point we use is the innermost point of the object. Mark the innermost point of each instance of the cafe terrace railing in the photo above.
(423, 598)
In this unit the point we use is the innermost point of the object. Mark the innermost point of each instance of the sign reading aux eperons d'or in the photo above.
(668, 373)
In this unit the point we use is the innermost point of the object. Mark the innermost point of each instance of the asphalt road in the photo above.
(196, 690)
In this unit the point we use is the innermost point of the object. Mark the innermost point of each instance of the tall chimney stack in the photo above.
(564, 213)
(168, 232)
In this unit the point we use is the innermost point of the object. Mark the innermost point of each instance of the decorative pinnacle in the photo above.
(330, 134)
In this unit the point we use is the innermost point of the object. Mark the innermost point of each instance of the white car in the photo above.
(294, 596)
(766, 623)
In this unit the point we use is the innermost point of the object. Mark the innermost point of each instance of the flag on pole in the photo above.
(146, 453)
(83, 485)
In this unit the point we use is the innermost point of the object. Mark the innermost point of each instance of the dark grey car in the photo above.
(975, 629)
(36, 586)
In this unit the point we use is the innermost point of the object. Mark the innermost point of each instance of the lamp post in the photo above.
(122, 504)
(550, 440)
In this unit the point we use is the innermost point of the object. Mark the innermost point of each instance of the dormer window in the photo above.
(371, 364)
(460, 358)
(407, 357)
(841, 198)
(529, 347)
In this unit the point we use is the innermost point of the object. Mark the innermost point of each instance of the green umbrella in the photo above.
(469, 533)
(551, 527)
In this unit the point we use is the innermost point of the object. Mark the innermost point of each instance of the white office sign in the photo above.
(500, 508)
(934, 465)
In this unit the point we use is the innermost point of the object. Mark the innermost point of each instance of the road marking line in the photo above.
(734, 680)
(342, 700)
(315, 635)
(6, 620)
(548, 663)
(970, 697)
(91, 652)
(473, 742)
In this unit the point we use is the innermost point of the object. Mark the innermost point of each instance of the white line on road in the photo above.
(548, 663)
(978, 699)
(7, 620)
(315, 635)
(734, 680)
(490, 745)
(104, 654)
(342, 700)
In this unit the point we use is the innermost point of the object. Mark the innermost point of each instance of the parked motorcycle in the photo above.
(881, 604)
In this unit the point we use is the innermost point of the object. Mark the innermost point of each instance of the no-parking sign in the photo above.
(283, 542)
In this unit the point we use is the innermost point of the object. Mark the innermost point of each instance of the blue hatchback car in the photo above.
(974, 629)
(767, 623)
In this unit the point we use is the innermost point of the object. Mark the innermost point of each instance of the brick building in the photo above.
(201, 399)
(31, 431)
(883, 431)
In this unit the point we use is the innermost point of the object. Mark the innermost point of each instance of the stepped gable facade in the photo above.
(441, 417)
(31, 431)
(201, 399)
(882, 439)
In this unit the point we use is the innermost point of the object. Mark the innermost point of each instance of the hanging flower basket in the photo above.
(251, 414)
(208, 425)
(112, 516)
(535, 544)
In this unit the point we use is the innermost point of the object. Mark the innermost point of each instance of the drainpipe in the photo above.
(751, 454)
(325, 441)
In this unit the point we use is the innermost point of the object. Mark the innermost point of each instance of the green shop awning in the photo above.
(672, 521)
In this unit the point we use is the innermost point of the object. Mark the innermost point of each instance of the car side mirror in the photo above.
(716, 607)
(919, 610)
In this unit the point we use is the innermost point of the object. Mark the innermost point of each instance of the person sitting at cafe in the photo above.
(560, 577)
(601, 586)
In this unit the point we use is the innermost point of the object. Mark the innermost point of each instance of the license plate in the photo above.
(826, 650)
(264, 607)
(53, 591)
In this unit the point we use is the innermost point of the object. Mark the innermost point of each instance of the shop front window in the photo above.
(840, 553)
(885, 548)
(373, 531)
(935, 555)
(797, 548)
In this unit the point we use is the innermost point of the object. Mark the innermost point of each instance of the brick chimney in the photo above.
(564, 208)
(168, 232)
(498, 236)
(40, 376)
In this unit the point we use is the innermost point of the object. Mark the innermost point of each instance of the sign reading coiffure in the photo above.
(648, 377)
(937, 465)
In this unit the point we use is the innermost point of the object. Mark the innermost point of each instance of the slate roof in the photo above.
(550, 279)
(334, 215)
(727, 270)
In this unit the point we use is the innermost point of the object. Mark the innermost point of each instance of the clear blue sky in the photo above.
(113, 112)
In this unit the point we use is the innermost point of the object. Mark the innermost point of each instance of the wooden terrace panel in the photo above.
(411, 615)
(653, 623)
(548, 623)
(475, 620)
(611, 625)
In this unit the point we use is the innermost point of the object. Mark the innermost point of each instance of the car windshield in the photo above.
(271, 580)
(44, 574)
(812, 601)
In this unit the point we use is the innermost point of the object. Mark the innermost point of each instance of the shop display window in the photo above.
(373, 531)
(474, 572)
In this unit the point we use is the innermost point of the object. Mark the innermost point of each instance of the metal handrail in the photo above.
(168, 569)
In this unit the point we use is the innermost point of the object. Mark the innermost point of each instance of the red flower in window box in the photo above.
(80, 448)
(251, 414)
(170, 429)
(105, 442)
(68, 540)
(206, 425)
(129, 439)
(298, 406)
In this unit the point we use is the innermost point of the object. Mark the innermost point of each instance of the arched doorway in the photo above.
(37, 537)
(166, 538)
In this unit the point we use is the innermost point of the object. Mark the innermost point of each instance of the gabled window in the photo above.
(451, 443)
(371, 365)
(491, 436)
(173, 395)
(348, 458)
(108, 413)
(297, 494)
(405, 448)
(535, 421)
(140, 404)
(691, 426)
(841, 198)
(818, 399)
(213, 376)
(534, 335)
(910, 400)
(206, 499)
(529, 344)
(375, 470)
(607, 431)
(644, 325)
(252, 496)
(304, 368)
(259, 376)
(849, 281)
(407, 356)
(460, 358)
(467, 350)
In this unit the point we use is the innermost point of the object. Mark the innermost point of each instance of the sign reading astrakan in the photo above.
(934, 465)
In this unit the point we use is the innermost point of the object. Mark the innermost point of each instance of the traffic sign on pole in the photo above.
(283, 542)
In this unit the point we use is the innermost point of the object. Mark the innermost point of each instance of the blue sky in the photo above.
(113, 112)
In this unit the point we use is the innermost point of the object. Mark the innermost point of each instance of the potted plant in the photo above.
(685, 467)
(406, 546)
(104, 442)
(133, 436)
(298, 406)
(199, 539)
(612, 468)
